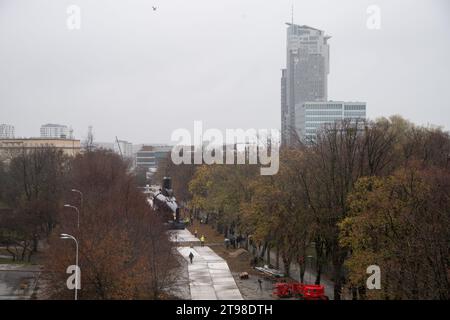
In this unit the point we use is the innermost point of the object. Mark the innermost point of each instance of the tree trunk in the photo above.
(302, 272)
(319, 272)
(277, 261)
(319, 258)
(337, 282)
(263, 251)
(11, 252)
(22, 256)
(35, 243)
(287, 267)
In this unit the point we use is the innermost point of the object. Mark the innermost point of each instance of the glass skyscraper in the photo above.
(304, 79)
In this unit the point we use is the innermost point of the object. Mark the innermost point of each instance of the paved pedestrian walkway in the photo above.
(209, 275)
(184, 238)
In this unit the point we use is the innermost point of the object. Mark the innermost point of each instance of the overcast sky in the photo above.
(139, 74)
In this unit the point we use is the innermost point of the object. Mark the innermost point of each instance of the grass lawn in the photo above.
(10, 261)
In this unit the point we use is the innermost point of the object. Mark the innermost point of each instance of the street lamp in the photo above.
(81, 197)
(78, 213)
(68, 236)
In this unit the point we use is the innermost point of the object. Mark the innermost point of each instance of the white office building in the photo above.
(149, 156)
(319, 114)
(6, 131)
(55, 131)
(124, 148)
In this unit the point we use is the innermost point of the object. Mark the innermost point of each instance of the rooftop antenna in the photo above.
(292, 13)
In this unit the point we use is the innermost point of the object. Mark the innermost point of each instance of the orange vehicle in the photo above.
(282, 290)
(300, 290)
(313, 292)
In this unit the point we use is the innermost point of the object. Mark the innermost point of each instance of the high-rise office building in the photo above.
(6, 131)
(54, 131)
(284, 107)
(319, 114)
(304, 79)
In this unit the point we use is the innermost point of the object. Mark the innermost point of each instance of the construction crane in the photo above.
(120, 149)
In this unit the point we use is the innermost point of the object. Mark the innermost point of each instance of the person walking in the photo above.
(191, 256)
(238, 241)
(196, 233)
(202, 240)
(260, 286)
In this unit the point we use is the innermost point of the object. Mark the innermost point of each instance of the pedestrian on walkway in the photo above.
(195, 233)
(260, 285)
(227, 243)
(202, 240)
(191, 256)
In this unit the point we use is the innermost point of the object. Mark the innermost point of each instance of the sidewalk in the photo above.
(209, 275)
(183, 238)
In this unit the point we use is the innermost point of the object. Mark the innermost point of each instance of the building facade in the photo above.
(124, 148)
(319, 114)
(284, 107)
(6, 131)
(11, 147)
(304, 79)
(148, 157)
(54, 131)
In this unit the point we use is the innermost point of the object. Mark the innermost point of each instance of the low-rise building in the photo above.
(318, 114)
(11, 147)
(148, 157)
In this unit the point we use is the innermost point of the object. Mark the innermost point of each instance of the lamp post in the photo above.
(68, 236)
(78, 213)
(81, 197)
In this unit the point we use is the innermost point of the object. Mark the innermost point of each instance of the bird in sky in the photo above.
(154, 8)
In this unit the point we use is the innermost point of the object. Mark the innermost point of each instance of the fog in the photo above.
(139, 74)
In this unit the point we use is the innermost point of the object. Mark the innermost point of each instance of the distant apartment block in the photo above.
(6, 131)
(54, 131)
(319, 114)
(11, 147)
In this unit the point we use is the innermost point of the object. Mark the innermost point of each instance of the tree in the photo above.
(402, 224)
(33, 187)
(124, 248)
(277, 214)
